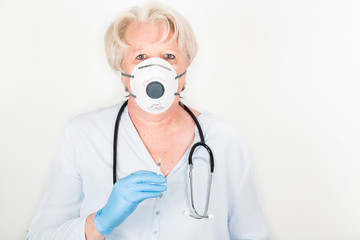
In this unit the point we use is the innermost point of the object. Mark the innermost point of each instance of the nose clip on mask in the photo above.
(154, 85)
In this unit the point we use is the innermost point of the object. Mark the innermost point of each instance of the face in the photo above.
(143, 40)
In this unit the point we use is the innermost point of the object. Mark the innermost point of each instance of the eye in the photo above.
(141, 57)
(169, 56)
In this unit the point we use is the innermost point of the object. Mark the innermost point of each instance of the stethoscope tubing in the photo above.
(116, 130)
(193, 148)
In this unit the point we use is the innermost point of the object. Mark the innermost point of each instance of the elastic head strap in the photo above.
(179, 76)
(132, 95)
(127, 75)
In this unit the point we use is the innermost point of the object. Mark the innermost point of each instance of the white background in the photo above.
(285, 74)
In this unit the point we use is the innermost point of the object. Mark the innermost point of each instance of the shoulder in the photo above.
(97, 119)
(224, 140)
(217, 128)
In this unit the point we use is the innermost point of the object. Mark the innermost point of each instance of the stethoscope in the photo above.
(202, 143)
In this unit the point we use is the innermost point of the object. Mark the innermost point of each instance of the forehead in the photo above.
(144, 34)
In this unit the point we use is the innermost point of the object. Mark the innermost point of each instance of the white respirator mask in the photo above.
(154, 84)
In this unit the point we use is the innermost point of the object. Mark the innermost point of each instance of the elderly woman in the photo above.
(133, 182)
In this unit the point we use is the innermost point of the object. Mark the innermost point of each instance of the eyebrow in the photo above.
(138, 49)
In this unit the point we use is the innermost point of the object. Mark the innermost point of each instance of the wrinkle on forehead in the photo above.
(159, 33)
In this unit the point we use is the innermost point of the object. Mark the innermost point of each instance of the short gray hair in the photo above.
(115, 39)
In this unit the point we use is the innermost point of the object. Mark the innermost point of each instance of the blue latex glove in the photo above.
(125, 196)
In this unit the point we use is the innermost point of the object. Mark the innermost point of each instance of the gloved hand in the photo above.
(125, 196)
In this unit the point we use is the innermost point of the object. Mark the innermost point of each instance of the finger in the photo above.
(149, 187)
(146, 177)
(140, 172)
(139, 197)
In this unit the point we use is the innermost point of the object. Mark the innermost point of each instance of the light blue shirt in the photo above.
(80, 182)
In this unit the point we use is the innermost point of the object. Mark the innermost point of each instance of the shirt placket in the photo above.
(157, 217)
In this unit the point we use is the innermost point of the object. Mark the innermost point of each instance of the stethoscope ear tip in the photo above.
(186, 213)
(211, 216)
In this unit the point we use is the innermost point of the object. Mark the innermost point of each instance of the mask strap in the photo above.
(130, 76)
(127, 75)
(179, 76)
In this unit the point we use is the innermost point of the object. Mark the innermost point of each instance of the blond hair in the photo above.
(115, 37)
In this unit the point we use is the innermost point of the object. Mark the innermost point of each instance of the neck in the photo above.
(148, 121)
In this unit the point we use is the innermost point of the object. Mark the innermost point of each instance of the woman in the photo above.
(151, 46)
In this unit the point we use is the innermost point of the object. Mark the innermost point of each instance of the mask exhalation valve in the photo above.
(155, 90)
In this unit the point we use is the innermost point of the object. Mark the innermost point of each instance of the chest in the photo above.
(168, 146)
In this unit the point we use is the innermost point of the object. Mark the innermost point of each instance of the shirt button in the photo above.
(157, 213)
(155, 232)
